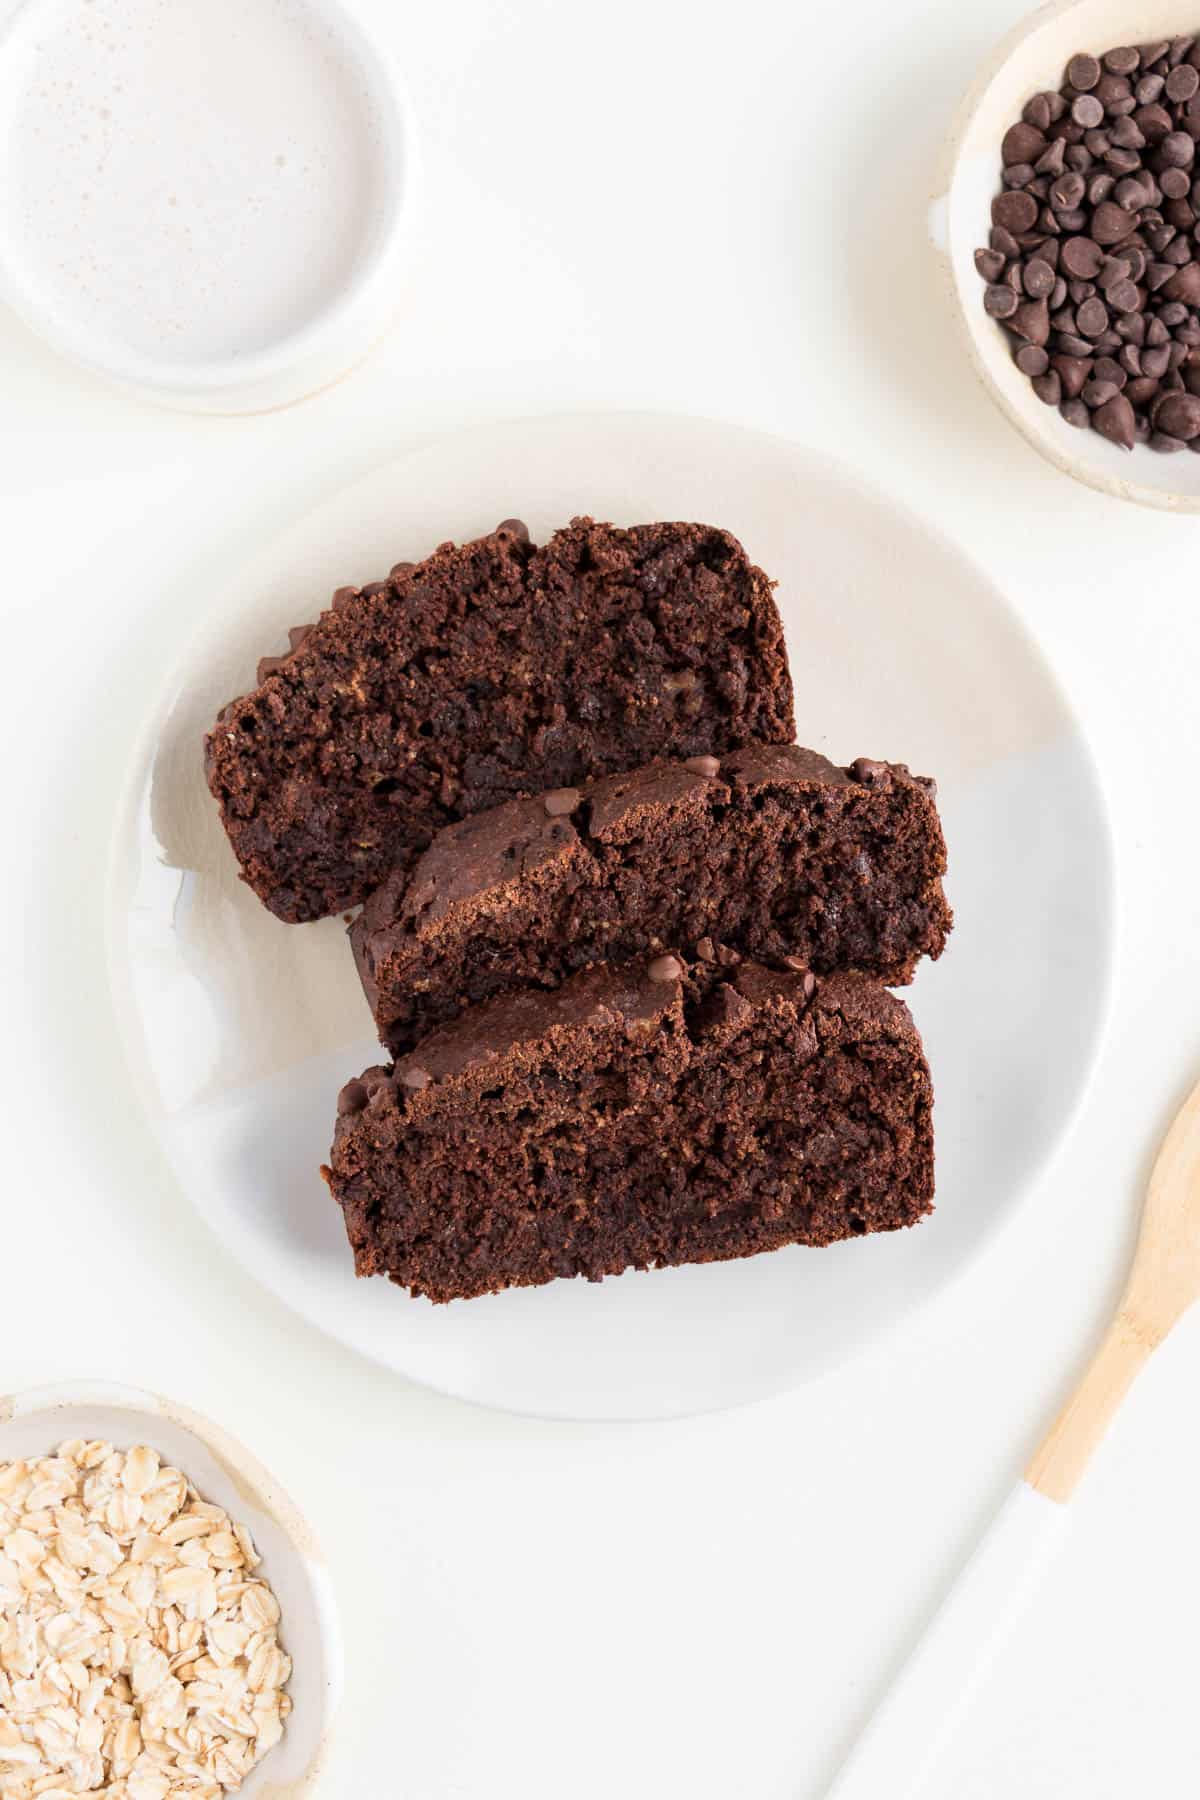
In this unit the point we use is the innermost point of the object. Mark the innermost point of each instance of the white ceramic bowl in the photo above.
(1030, 59)
(35, 1422)
(203, 205)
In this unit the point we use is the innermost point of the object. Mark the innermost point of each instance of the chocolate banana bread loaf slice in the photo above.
(609, 1126)
(492, 669)
(771, 853)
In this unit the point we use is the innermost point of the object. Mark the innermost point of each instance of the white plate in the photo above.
(241, 1029)
(36, 1422)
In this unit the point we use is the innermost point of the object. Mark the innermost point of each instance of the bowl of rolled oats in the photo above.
(167, 1626)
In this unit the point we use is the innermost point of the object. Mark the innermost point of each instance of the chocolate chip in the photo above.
(665, 968)
(705, 950)
(1031, 321)
(1092, 318)
(1022, 143)
(1073, 372)
(1087, 111)
(1154, 122)
(1123, 296)
(1000, 301)
(1075, 413)
(1053, 158)
(867, 770)
(400, 568)
(560, 801)
(414, 1077)
(1038, 279)
(1014, 212)
(1031, 359)
(1178, 415)
(1083, 72)
(990, 264)
(1048, 388)
(1126, 135)
(1114, 421)
(1182, 83)
(703, 765)
(352, 1099)
(1068, 190)
(1082, 258)
(1097, 392)
(342, 597)
(1110, 223)
(1184, 285)
(515, 529)
(1122, 61)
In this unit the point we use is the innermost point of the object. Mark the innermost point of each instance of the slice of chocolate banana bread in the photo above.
(772, 853)
(490, 670)
(608, 1126)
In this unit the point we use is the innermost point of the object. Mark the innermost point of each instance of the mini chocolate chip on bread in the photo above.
(771, 853)
(608, 1126)
(491, 670)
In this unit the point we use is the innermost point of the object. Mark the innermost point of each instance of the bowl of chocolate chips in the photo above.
(1070, 224)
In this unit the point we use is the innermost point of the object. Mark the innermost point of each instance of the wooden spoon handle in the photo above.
(1064, 1453)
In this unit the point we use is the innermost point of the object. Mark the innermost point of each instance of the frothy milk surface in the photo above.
(186, 179)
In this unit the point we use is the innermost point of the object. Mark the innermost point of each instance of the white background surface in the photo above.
(701, 209)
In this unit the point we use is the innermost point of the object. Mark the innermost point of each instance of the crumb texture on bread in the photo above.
(631, 1122)
(491, 670)
(771, 853)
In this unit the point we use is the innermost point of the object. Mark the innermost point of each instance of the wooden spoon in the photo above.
(903, 1741)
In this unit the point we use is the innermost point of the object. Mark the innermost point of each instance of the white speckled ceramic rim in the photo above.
(1032, 57)
(306, 360)
(33, 1422)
